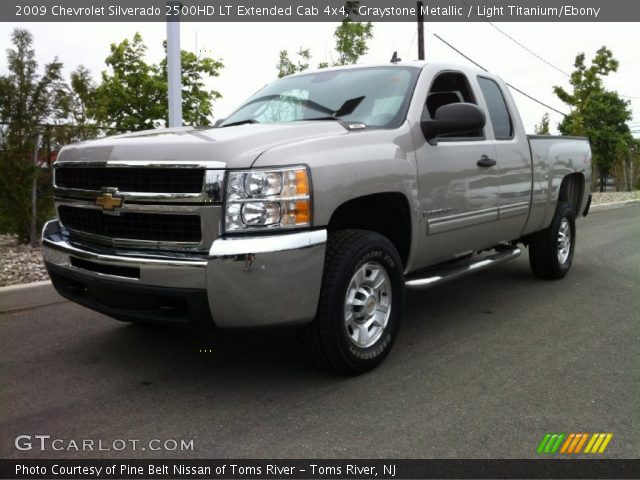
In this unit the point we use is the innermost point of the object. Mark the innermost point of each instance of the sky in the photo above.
(250, 51)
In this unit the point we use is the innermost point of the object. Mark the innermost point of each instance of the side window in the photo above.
(498, 111)
(450, 87)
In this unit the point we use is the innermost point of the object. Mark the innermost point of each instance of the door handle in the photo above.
(486, 161)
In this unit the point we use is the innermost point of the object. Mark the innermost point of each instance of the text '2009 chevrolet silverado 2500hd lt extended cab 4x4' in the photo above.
(317, 203)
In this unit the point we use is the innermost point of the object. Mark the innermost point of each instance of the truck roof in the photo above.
(411, 63)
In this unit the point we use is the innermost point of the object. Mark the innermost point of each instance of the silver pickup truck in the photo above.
(317, 203)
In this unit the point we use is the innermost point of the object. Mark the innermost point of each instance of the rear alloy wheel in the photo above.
(360, 303)
(551, 250)
(564, 241)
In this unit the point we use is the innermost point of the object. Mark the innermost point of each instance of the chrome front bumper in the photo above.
(248, 282)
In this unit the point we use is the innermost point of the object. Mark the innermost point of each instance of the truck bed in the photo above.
(553, 158)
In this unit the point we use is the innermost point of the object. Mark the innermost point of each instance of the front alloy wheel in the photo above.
(360, 303)
(367, 305)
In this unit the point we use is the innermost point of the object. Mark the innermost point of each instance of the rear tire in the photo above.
(360, 304)
(551, 250)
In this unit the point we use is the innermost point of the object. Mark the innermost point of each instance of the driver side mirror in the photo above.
(453, 118)
(219, 122)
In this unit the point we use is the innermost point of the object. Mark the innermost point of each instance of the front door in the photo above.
(457, 181)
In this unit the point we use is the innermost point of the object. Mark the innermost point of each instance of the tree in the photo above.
(5, 91)
(597, 113)
(133, 94)
(197, 101)
(81, 100)
(351, 44)
(72, 103)
(27, 101)
(605, 116)
(627, 167)
(351, 37)
(286, 66)
(129, 96)
(351, 41)
(543, 128)
(634, 174)
(586, 80)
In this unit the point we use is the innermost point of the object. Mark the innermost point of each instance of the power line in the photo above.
(536, 100)
(528, 49)
(521, 45)
(459, 52)
(524, 47)
(508, 84)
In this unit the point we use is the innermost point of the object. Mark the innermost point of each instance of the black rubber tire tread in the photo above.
(543, 254)
(321, 337)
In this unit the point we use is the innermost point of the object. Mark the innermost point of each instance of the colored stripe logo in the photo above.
(573, 443)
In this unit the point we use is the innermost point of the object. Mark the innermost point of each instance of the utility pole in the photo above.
(34, 193)
(420, 31)
(174, 69)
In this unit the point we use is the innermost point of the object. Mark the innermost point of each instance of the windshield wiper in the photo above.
(239, 122)
(289, 98)
(318, 118)
(347, 108)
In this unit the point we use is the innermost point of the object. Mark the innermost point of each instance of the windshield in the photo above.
(376, 96)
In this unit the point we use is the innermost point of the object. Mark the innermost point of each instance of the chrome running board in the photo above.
(451, 271)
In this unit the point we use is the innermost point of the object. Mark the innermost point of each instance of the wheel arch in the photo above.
(572, 191)
(387, 213)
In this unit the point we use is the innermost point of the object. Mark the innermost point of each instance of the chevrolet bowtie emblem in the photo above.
(108, 202)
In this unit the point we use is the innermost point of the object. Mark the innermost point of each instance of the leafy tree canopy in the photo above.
(286, 66)
(352, 37)
(28, 99)
(596, 112)
(133, 93)
(351, 43)
(543, 128)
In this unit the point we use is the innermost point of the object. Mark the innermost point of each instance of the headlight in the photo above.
(270, 198)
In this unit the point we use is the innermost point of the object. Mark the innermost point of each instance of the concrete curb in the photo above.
(611, 205)
(28, 295)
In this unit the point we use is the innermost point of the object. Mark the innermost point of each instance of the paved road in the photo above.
(483, 368)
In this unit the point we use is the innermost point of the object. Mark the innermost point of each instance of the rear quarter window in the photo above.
(498, 111)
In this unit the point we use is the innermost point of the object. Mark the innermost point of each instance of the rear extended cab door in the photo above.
(512, 155)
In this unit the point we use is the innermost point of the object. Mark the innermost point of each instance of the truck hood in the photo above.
(237, 146)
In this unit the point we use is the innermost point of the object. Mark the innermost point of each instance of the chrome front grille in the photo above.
(136, 179)
(133, 225)
(173, 207)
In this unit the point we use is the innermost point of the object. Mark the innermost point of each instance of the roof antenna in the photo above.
(394, 58)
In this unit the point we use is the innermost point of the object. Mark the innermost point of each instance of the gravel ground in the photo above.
(22, 264)
(19, 263)
(608, 197)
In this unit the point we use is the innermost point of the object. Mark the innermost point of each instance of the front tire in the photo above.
(360, 305)
(551, 250)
